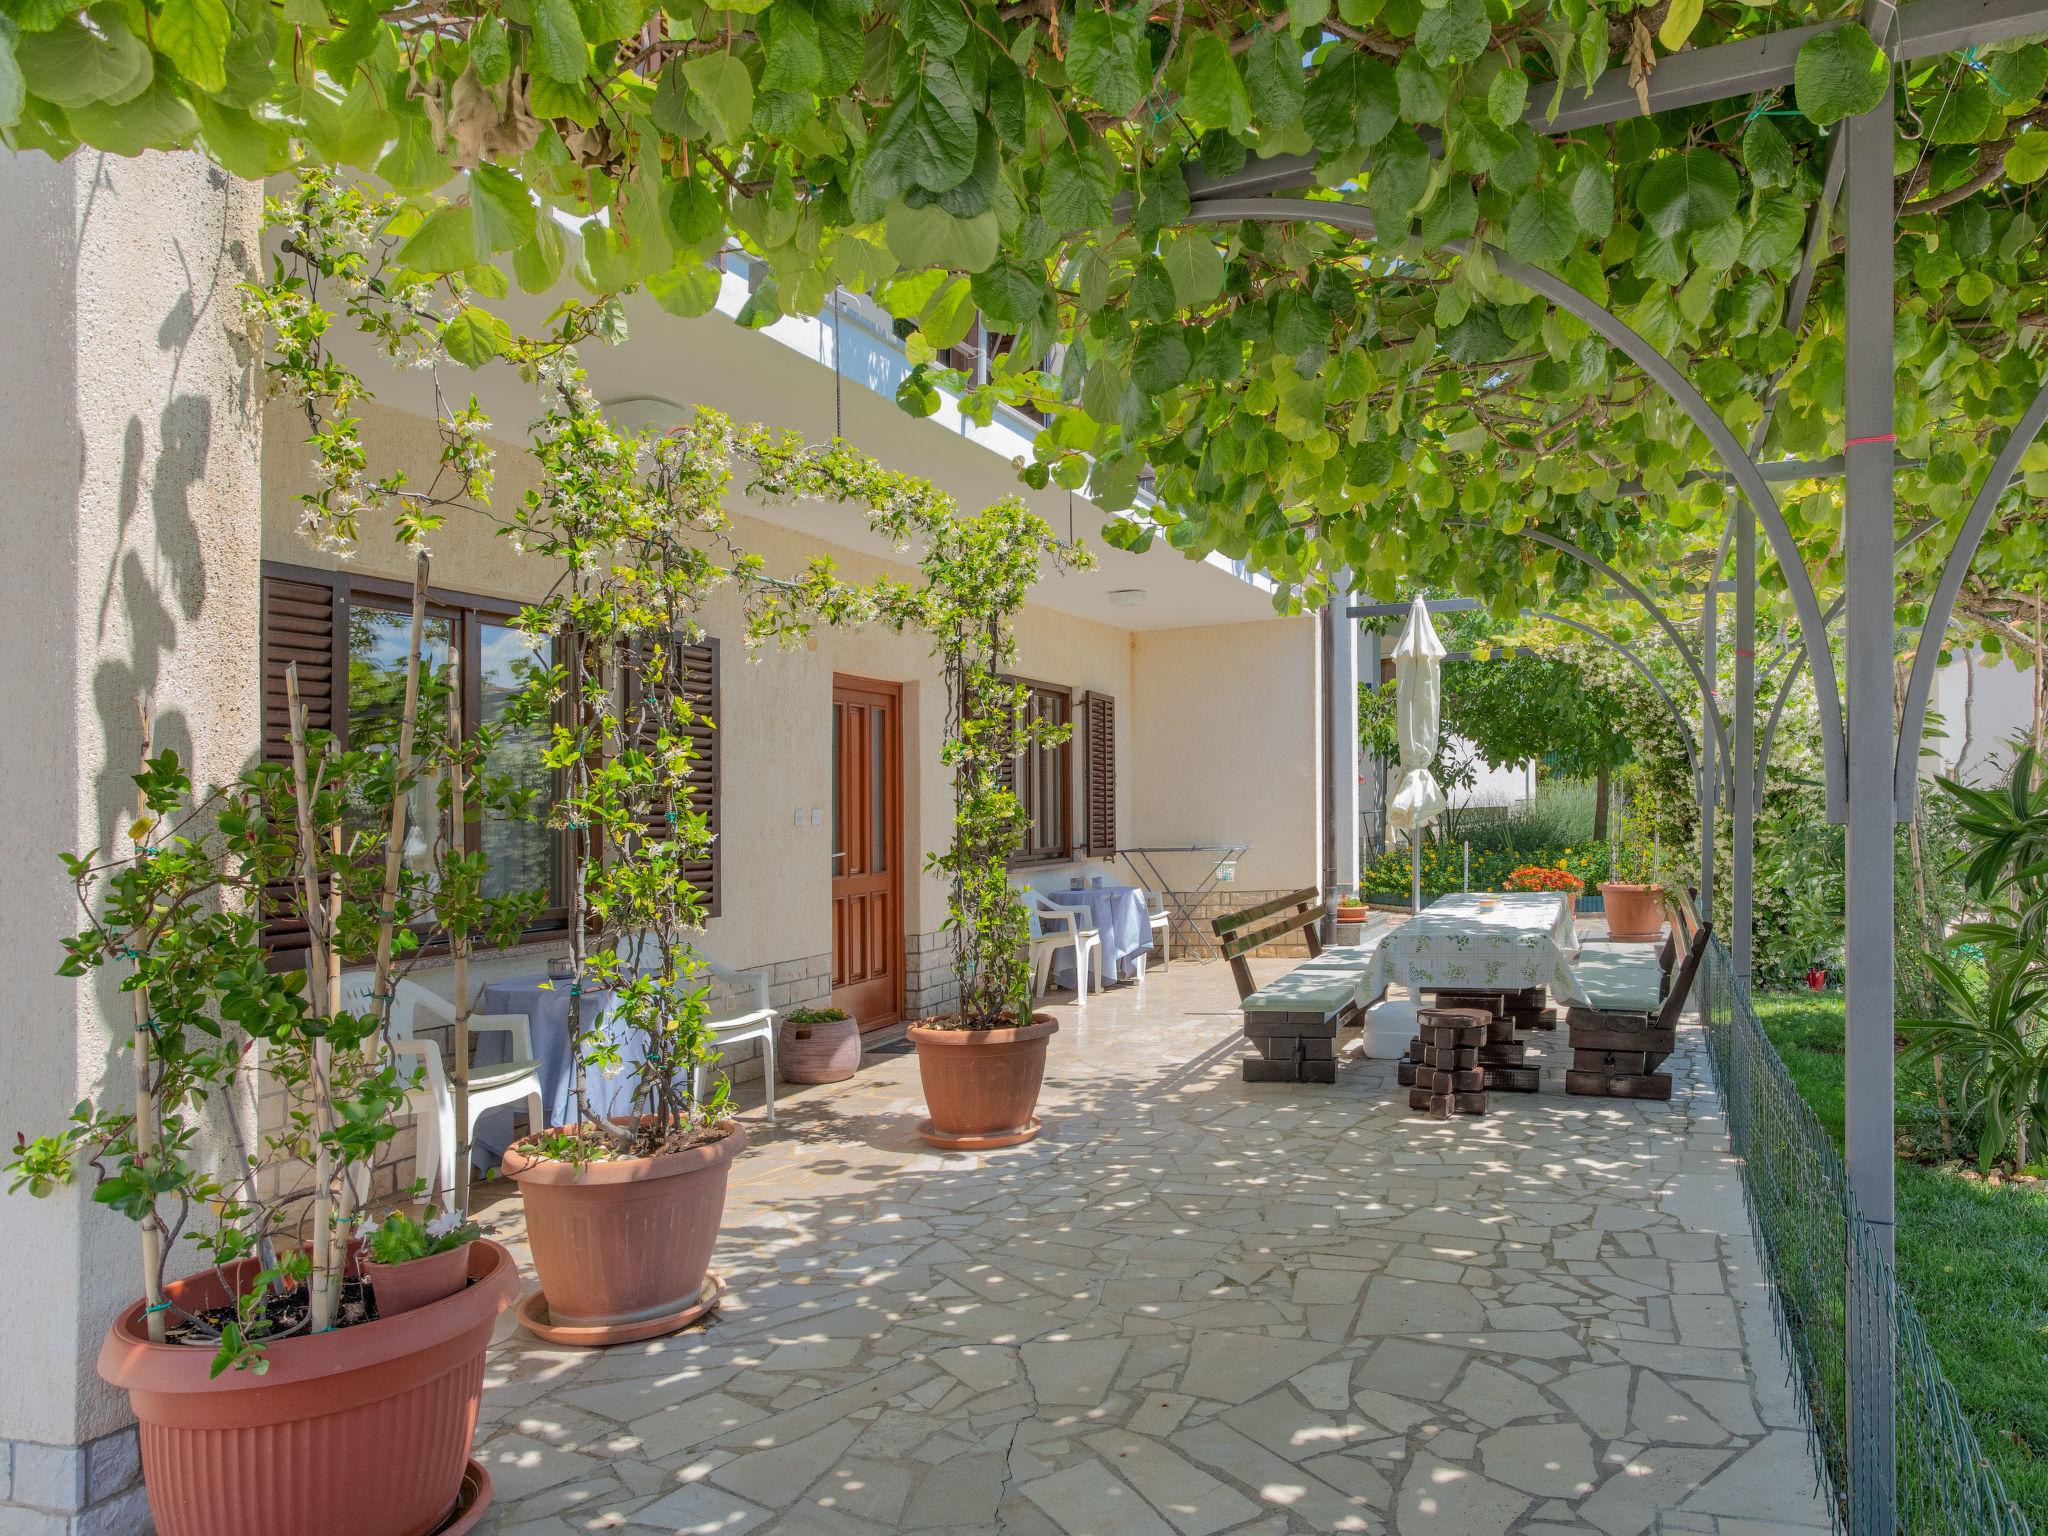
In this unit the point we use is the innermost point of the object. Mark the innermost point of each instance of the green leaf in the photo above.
(538, 263)
(1839, 74)
(1108, 59)
(446, 242)
(1974, 288)
(725, 90)
(1274, 84)
(1398, 178)
(560, 50)
(1766, 154)
(689, 289)
(244, 146)
(795, 61)
(932, 237)
(490, 51)
(502, 209)
(475, 336)
(12, 90)
(156, 119)
(1687, 191)
(1425, 93)
(412, 163)
(1215, 95)
(2026, 161)
(1679, 21)
(928, 139)
(1542, 228)
(1455, 33)
(1011, 293)
(1592, 197)
(1970, 114)
(1776, 234)
(948, 316)
(75, 64)
(1195, 266)
(1077, 190)
(1507, 95)
(193, 34)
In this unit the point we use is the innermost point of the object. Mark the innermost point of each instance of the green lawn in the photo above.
(1973, 1256)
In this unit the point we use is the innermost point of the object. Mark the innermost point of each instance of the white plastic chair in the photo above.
(756, 1019)
(1053, 928)
(1162, 928)
(432, 1101)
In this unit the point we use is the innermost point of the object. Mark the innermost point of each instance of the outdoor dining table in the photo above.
(1122, 918)
(1509, 941)
(546, 1006)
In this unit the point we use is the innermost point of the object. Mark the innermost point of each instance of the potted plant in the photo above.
(1631, 896)
(411, 1264)
(818, 1045)
(1351, 907)
(265, 1383)
(623, 1204)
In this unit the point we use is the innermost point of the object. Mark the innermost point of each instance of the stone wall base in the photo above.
(74, 1490)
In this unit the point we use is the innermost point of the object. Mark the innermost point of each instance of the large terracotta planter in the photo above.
(824, 1051)
(981, 1085)
(1634, 912)
(364, 1431)
(622, 1246)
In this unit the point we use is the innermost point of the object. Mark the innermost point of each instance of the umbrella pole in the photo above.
(1415, 869)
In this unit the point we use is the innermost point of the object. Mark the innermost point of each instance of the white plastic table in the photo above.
(1476, 939)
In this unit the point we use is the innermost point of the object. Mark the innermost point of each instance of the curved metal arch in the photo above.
(1927, 653)
(1692, 751)
(1663, 372)
(1709, 707)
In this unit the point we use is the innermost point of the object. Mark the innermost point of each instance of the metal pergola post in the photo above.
(1341, 746)
(1742, 852)
(1871, 740)
(1710, 735)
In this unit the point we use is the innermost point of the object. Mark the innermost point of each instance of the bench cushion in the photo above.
(1619, 981)
(1342, 957)
(1327, 992)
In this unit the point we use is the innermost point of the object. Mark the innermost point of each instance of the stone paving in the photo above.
(1193, 1306)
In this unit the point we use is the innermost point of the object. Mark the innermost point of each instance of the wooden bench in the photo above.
(1293, 1020)
(1632, 1024)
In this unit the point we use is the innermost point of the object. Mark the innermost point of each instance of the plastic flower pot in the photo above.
(1817, 978)
(417, 1282)
(981, 1085)
(622, 1245)
(363, 1431)
(1633, 912)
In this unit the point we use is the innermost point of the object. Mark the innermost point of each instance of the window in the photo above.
(354, 630)
(1042, 779)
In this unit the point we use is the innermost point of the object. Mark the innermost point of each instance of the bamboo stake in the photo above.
(394, 847)
(319, 947)
(145, 1089)
(458, 942)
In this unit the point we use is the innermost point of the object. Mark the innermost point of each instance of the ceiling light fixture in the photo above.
(1128, 597)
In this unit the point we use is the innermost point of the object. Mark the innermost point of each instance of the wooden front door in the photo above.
(867, 850)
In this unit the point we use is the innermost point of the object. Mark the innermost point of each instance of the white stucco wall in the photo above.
(128, 564)
(1984, 705)
(775, 743)
(1227, 747)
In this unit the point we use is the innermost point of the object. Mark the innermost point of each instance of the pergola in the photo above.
(1870, 749)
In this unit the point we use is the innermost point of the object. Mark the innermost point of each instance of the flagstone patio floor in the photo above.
(1193, 1306)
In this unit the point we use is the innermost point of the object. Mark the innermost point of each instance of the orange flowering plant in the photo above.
(1544, 877)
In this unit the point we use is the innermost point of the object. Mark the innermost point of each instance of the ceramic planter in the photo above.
(827, 1051)
(417, 1282)
(1634, 912)
(622, 1246)
(981, 1085)
(363, 1431)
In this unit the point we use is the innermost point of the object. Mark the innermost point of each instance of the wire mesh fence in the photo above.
(1824, 1273)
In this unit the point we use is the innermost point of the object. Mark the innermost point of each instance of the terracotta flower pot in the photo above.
(1633, 911)
(1350, 911)
(417, 1282)
(981, 1085)
(364, 1431)
(621, 1246)
(826, 1051)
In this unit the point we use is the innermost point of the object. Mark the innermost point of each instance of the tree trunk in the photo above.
(1603, 786)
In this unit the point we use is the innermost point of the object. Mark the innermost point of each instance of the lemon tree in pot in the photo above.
(1632, 898)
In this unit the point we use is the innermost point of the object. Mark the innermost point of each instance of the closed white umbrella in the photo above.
(1418, 712)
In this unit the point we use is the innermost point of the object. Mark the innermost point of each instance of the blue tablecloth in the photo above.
(1123, 920)
(546, 1007)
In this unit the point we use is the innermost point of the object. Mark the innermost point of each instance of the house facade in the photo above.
(151, 552)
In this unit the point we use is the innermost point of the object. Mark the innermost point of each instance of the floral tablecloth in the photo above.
(1471, 939)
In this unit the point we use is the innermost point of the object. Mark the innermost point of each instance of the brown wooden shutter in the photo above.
(304, 620)
(1097, 727)
(696, 676)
